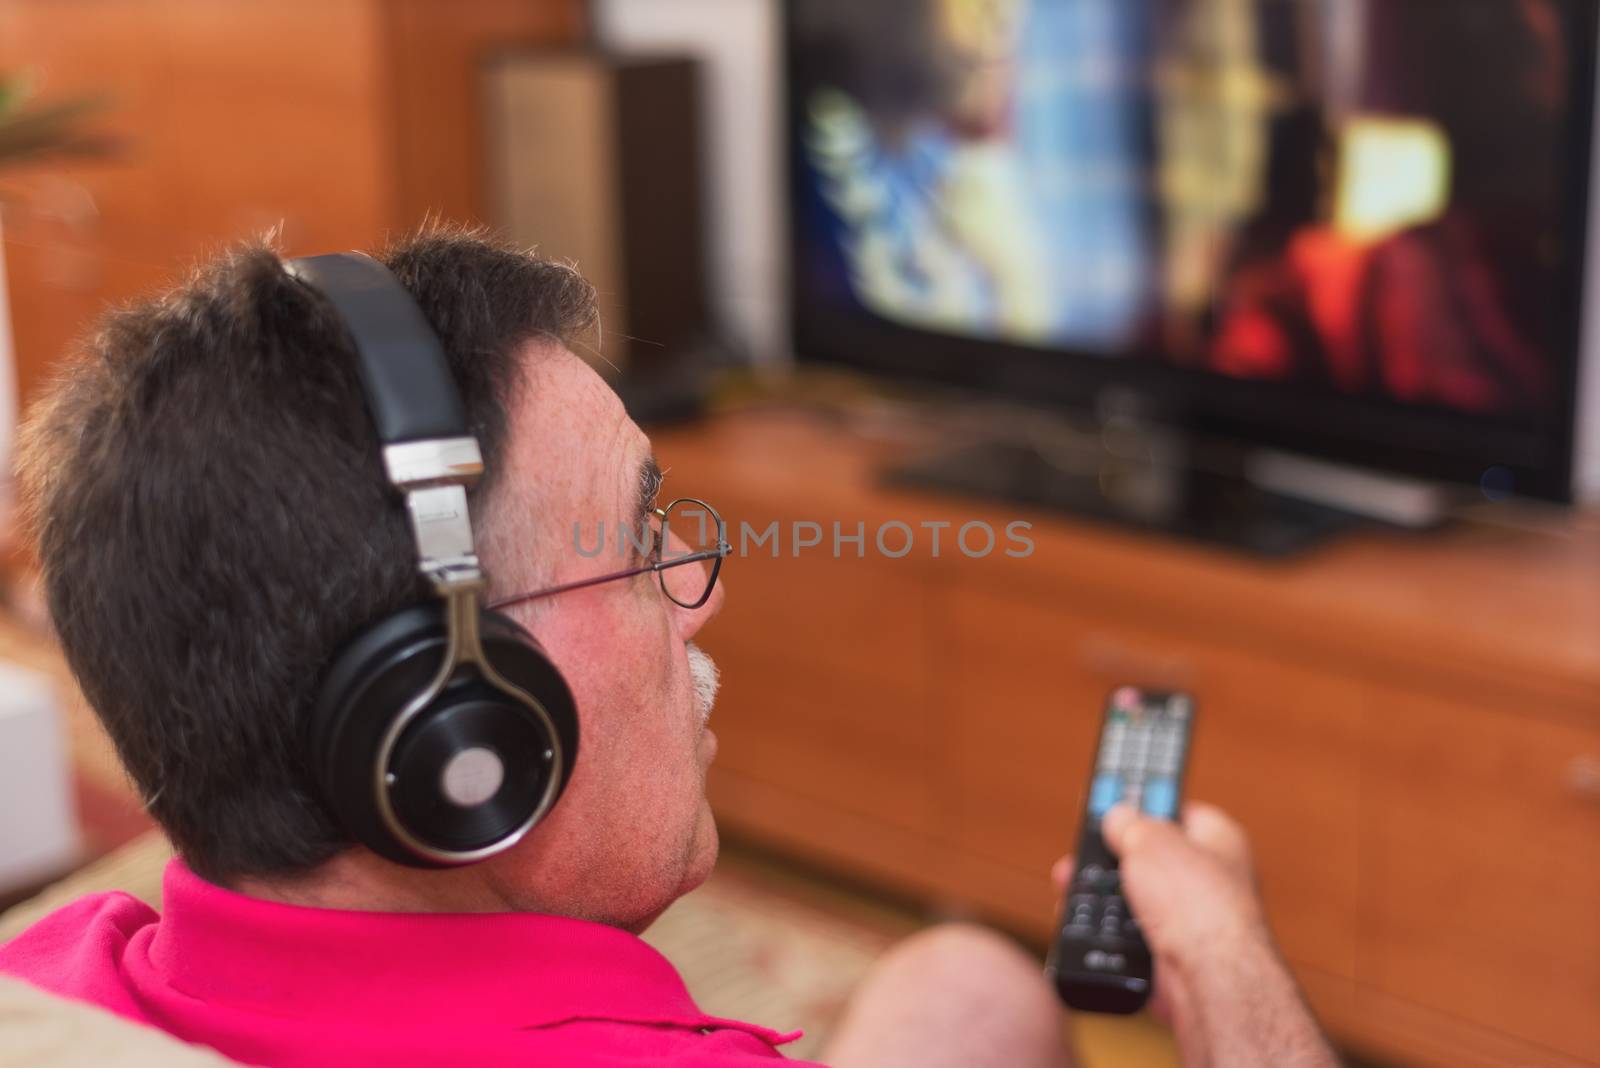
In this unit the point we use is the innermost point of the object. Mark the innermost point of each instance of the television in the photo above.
(1348, 229)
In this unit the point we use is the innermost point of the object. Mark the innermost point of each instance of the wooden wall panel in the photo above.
(234, 119)
(338, 121)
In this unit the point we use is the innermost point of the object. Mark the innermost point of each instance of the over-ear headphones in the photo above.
(441, 734)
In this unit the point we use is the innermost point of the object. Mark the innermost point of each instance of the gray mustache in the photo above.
(706, 678)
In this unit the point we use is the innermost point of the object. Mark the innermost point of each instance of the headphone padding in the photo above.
(376, 675)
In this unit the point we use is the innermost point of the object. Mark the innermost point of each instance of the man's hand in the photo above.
(1219, 981)
(1192, 886)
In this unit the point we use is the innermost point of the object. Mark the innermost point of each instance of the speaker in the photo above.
(596, 160)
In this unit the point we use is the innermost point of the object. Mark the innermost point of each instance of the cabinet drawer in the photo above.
(872, 750)
(1483, 880)
(825, 686)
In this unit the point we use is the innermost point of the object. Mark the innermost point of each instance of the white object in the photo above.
(38, 829)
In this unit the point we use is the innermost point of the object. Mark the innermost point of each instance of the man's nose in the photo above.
(695, 618)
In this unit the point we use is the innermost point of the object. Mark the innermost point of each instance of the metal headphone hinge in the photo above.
(443, 531)
(413, 465)
(434, 476)
(464, 576)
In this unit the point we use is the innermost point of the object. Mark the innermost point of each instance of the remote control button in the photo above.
(1103, 793)
(1096, 879)
(1126, 940)
(1161, 798)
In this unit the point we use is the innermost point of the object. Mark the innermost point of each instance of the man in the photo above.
(214, 524)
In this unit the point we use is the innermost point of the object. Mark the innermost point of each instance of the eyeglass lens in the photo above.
(690, 528)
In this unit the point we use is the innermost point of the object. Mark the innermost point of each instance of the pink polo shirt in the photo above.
(271, 984)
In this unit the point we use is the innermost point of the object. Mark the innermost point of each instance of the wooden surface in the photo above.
(1400, 722)
(1472, 815)
(1477, 609)
(336, 122)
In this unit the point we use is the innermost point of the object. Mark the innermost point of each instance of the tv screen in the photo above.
(1358, 224)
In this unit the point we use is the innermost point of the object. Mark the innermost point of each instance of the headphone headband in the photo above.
(403, 369)
(427, 451)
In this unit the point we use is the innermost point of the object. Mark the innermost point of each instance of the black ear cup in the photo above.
(467, 772)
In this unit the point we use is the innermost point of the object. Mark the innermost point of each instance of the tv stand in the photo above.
(1160, 489)
(1401, 724)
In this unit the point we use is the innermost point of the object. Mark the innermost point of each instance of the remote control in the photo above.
(1100, 962)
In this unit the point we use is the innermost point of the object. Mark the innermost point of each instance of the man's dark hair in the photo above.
(213, 520)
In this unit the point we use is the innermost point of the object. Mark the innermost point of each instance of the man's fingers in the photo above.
(1115, 825)
(1126, 831)
(1060, 875)
(1148, 848)
(1205, 826)
(1216, 832)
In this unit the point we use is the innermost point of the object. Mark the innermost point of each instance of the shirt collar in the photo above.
(494, 969)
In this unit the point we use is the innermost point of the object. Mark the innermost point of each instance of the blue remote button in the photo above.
(1161, 798)
(1105, 792)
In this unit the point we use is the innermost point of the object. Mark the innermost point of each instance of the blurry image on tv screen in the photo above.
(1354, 194)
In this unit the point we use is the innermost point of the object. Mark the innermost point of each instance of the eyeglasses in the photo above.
(692, 521)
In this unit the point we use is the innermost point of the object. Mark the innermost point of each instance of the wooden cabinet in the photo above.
(832, 718)
(813, 715)
(1481, 890)
(1409, 728)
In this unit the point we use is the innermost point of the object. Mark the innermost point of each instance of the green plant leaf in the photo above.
(14, 90)
(30, 131)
